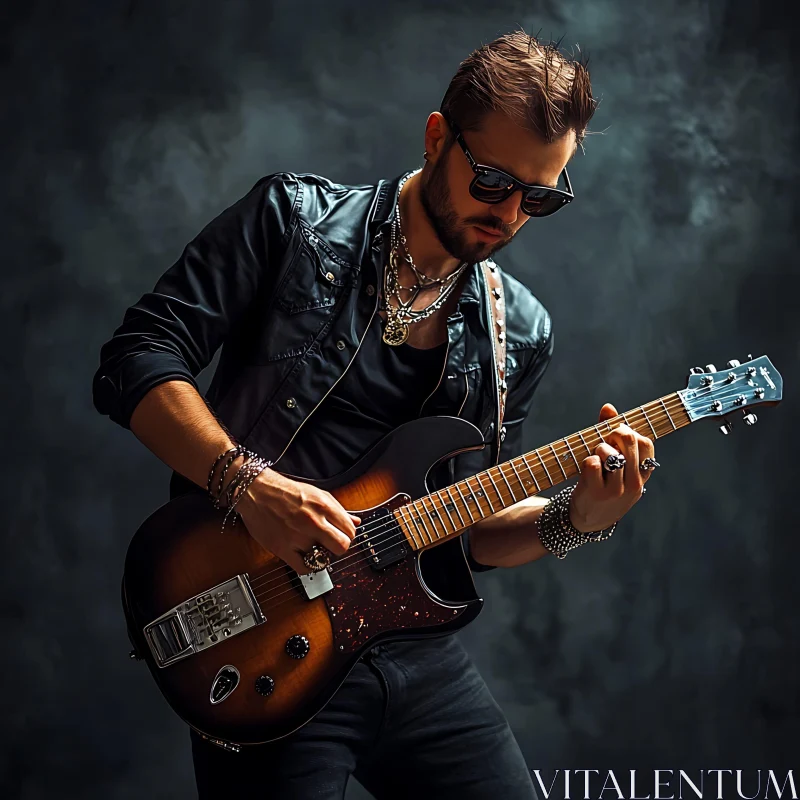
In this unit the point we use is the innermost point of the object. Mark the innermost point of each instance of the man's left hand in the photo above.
(600, 497)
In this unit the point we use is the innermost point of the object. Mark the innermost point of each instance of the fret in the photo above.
(511, 491)
(488, 473)
(446, 511)
(455, 506)
(661, 400)
(528, 467)
(577, 465)
(558, 461)
(434, 516)
(464, 500)
(424, 524)
(519, 477)
(485, 493)
(588, 451)
(410, 517)
(475, 497)
(544, 467)
(641, 408)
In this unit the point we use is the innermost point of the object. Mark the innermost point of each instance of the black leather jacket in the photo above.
(285, 280)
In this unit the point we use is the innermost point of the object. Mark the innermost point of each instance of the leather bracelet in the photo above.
(556, 531)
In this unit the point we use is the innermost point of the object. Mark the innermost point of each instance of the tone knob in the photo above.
(265, 685)
(297, 646)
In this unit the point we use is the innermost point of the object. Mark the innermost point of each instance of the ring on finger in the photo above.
(614, 462)
(317, 558)
(648, 464)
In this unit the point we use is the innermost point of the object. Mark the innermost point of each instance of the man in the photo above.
(342, 313)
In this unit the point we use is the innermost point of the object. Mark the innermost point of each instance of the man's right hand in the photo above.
(289, 517)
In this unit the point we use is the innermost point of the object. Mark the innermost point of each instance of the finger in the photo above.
(646, 450)
(592, 473)
(607, 412)
(611, 480)
(340, 518)
(333, 539)
(295, 561)
(625, 440)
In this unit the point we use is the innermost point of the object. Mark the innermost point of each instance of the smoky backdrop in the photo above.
(129, 125)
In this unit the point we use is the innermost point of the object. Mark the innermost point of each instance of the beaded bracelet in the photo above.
(556, 531)
(247, 473)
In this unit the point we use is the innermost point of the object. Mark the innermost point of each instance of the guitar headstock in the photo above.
(738, 387)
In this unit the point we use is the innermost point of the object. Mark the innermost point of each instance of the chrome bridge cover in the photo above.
(203, 621)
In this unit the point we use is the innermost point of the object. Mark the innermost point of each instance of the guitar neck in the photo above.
(448, 512)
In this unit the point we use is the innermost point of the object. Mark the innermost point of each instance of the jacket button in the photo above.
(370, 290)
(330, 276)
(291, 402)
(340, 345)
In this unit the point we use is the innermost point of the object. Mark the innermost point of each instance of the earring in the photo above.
(425, 155)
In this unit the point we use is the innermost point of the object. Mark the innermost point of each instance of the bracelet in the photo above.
(242, 480)
(252, 466)
(556, 531)
(214, 466)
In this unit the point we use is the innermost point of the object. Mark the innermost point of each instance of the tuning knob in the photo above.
(695, 370)
(750, 419)
(733, 363)
(726, 427)
(265, 685)
(297, 646)
(710, 368)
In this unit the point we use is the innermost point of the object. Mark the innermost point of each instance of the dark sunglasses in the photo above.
(491, 185)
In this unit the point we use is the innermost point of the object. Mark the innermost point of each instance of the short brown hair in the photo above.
(531, 82)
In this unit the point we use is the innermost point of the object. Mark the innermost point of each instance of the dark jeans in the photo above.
(412, 720)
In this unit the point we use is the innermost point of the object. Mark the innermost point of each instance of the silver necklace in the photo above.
(400, 317)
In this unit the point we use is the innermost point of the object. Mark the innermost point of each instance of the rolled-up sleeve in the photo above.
(520, 399)
(173, 332)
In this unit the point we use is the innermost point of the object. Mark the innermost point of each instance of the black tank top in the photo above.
(384, 387)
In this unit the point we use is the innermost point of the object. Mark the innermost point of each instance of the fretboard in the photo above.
(435, 517)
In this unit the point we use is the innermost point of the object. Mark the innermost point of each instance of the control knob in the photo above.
(297, 646)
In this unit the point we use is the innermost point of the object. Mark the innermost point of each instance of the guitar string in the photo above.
(344, 570)
(258, 581)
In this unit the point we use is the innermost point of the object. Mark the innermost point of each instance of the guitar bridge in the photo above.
(203, 621)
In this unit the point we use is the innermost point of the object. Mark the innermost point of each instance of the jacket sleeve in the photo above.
(173, 332)
(520, 399)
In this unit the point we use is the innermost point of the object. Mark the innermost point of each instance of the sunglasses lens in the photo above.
(491, 187)
(541, 202)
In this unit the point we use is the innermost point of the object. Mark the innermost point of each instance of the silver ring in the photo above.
(648, 464)
(317, 558)
(614, 462)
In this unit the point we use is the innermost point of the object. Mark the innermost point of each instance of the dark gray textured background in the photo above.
(129, 125)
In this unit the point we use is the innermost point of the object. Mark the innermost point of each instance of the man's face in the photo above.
(464, 224)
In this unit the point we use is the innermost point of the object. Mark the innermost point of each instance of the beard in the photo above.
(451, 231)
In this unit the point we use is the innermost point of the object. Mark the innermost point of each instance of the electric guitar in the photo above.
(246, 651)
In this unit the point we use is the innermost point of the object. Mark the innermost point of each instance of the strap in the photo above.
(496, 314)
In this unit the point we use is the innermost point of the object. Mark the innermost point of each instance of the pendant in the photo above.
(395, 332)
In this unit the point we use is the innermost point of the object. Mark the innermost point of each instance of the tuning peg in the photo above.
(710, 368)
(749, 356)
(750, 419)
(733, 363)
(726, 427)
(695, 370)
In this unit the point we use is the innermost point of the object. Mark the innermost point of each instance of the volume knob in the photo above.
(265, 685)
(297, 646)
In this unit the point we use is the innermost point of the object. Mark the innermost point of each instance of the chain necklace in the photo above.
(399, 318)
